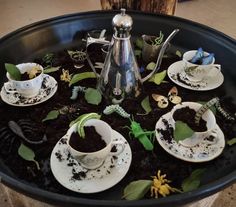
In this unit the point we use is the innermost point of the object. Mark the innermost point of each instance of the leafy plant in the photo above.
(137, 189)
(146, 105)
(158, 77)
(80, 76)
(151, 66)
(158, 40)
(51, 115)
(182, 131)
(27, 154)
(93, 96)
(231, 141)
(13, 71)
(193, 181)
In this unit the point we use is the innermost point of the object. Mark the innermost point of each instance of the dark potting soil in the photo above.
(144, 163)
(92, 141)
(187, 115)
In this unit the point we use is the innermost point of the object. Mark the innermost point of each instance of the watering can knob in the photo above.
(122, 24)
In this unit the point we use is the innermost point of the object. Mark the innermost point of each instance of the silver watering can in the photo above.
(120, 77)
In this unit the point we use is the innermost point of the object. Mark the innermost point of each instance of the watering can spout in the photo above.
(160, 56)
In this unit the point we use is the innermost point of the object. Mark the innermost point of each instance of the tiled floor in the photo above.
(219, 14)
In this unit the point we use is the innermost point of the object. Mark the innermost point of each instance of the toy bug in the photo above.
(142, 135)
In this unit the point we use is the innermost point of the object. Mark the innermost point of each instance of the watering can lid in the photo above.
(122, 21)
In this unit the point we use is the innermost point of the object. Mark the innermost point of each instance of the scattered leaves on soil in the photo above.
(27, 154)
(93, 96)
(80, 76)
(139, 42)
(158, 77)
(146, 105)
(50, 69)
(193, 181)
(231, 141)
(151, 66)
(137, 189)
(51, 115)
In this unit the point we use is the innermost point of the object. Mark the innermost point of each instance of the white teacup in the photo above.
(93, 160)
(198, 137)
(26, 88)
(200, 71)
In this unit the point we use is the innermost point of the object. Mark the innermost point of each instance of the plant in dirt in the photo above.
(193, 181)
(27, 154)
(158, 78)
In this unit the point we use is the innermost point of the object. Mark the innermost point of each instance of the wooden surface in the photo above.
(17, 13)
(155, 6)
(10, 198)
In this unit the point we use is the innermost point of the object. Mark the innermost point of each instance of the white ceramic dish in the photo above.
(177, 75)
(48, 89)
(202, 152)
(65, 168)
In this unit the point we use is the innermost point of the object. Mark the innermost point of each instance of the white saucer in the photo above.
(202, 152)
(110, 173)
(177, 75)
(49, 88)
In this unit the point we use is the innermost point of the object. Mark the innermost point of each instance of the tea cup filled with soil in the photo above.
(97, 144)
(25, 78)
(199, 65)
(184, 113)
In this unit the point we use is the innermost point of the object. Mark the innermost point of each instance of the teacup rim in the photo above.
(194, 52)
(22, 81)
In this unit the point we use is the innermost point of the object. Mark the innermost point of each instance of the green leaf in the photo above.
(80, 76)
(193, 181)
(27, 154)
(51, 69)
(93, 96)
(137, 189)
(182, 131)
(158, 77)
(231, 141)
(138, 53)
(151, 66)
(139, 43)
(146, 105)
(13, 71)
(51, 115)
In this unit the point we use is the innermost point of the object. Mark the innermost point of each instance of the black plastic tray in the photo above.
(61, 32)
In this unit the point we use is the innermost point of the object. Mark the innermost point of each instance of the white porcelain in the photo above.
(197, 137)
(202, 152)
(109, 174)
(178, 76)
(26, 88)
(47, 90)
(201, 71)
(93, 160)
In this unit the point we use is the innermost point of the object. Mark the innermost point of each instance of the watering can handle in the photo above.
(162, 51)
(90, 41)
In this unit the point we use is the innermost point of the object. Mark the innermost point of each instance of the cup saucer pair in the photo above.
(47, 90)
(75, 177)
(177, 74)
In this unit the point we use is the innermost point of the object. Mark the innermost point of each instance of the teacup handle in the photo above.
(218, 66)
(214, 135)
(119, 150)
(9, 85)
